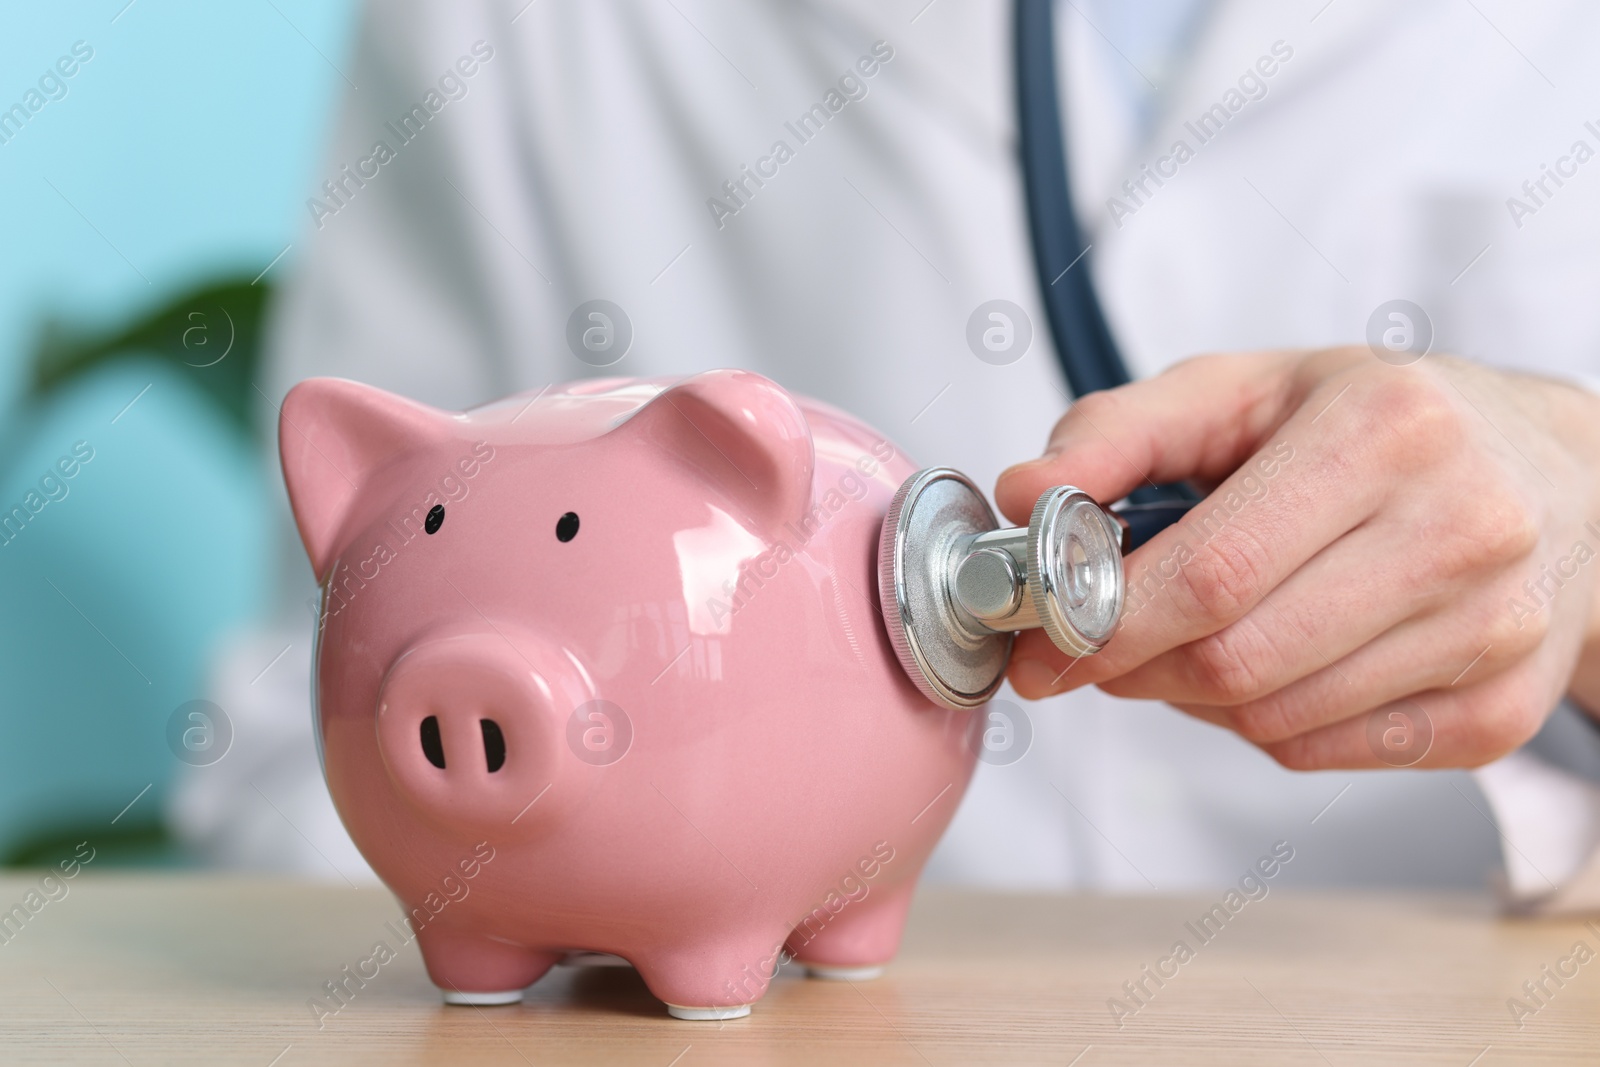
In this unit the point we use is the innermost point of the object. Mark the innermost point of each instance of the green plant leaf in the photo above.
(212, 332)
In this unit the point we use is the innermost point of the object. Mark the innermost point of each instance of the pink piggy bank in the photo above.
(601, 669)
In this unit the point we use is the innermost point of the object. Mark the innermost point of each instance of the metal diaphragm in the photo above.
(1075, 570)
(952, 662)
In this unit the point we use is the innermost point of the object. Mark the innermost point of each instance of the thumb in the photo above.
(1199, 419)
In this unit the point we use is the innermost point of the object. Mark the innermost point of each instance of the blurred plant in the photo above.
(211, 335)
(214, 328)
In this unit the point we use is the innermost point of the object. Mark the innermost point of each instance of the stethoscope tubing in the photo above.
(1083, 341)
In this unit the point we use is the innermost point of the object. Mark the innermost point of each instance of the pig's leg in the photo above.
(473, 969)
(857, 942)
(712, 982)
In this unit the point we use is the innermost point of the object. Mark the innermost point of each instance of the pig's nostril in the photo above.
(432, 743)
(494, 744)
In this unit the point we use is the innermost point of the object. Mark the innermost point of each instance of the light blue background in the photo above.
(190, 142)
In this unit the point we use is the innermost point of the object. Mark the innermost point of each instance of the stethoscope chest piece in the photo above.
(955, 587)
(1075, 570)
(952, 662)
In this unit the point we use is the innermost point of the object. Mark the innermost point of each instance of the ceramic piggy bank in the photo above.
(600, 669)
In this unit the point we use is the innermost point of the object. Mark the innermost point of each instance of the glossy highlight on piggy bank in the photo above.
(625, 631)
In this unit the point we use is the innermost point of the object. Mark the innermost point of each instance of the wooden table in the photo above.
(148, 969)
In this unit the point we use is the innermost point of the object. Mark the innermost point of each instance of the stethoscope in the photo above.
(955, 587)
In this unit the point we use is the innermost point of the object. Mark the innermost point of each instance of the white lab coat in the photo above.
(580, 164)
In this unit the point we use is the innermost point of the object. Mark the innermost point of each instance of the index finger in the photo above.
(1199, 419)
(1302, 489)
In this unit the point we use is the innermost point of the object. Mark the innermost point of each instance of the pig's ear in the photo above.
(332, 435)
(742, 432)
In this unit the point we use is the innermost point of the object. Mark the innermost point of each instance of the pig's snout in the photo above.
(470, 727)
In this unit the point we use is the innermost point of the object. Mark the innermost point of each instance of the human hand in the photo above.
(1395, 565)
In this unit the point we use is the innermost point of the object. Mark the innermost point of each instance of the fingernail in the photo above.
(1032, 678)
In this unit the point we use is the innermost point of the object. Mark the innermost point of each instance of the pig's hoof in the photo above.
(476, 999)
(844, 974)
(698, 1015)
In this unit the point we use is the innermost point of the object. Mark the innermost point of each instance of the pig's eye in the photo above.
(567, 526)
(435, 519)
